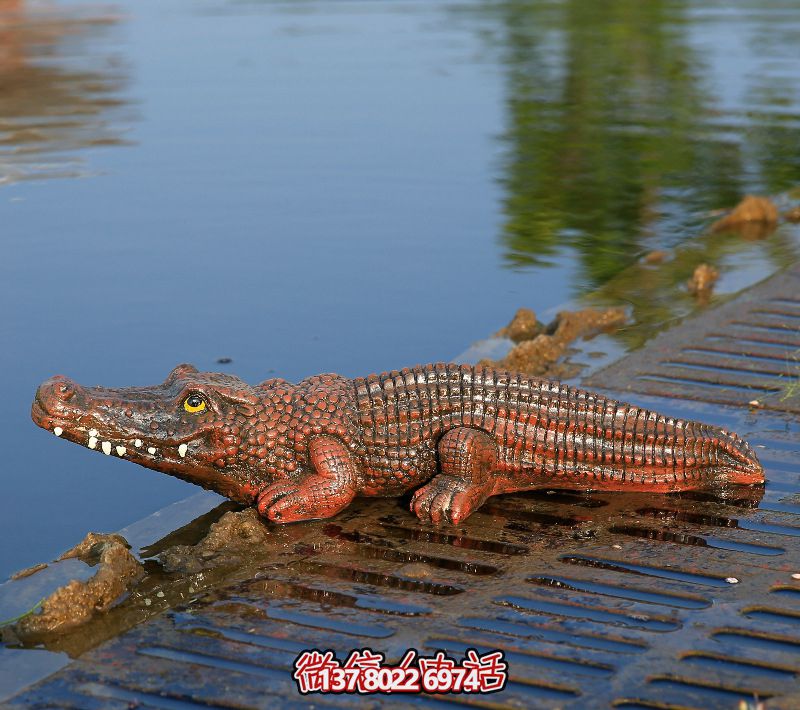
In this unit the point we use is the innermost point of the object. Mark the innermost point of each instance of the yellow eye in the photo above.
(194, 404)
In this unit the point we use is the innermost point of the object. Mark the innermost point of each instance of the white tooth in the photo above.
(58, 431)
(121, 450)
(106, 446)
(92, 432)
(182, 450)
(92, 442)
(151, 449)
(137, 443)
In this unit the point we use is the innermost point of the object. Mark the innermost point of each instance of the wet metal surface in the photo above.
(597, 600)
(745, 351)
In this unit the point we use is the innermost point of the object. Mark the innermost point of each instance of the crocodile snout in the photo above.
(56, 392)
(59, 405)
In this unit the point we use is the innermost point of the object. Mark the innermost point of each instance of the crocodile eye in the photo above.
(194, 404)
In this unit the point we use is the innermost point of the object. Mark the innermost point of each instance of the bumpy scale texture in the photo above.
(455, 433)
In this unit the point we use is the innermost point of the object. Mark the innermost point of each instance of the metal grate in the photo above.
(604, 600)
(748, 349)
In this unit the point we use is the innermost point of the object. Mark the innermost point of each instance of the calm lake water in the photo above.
(350, 187)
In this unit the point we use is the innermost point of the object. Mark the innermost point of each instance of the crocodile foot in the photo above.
(447, 499)
(287, 501)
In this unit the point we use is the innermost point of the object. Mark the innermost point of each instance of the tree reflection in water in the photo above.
(617, 142)
(60, 89)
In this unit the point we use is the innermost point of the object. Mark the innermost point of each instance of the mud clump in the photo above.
(540, 354)
(77, 602)
(29, 571)
(655, 257)
(523, 326)
(754, 217)
(586, 323)
(415, 570)
(535, 356)
(702, 281)
(229, 542)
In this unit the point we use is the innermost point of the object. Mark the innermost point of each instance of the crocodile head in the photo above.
(189, 426)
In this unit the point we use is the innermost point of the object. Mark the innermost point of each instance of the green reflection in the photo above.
(615, 143)
(657, 294)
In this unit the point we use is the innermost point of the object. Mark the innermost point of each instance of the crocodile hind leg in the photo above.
(467, 459)
(321, 494)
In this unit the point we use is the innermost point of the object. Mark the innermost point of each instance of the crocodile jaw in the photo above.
(102, 420)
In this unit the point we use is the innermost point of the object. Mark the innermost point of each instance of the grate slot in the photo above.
(666, 514)
(642, 704)
(276, 635)
(774, 486)
(783, 313)
(768, 326)
(464, 542)
(788, 301)
(457, 647)
(531, 630)
(713, 691)
(759, 640)
(504, 510)
(689, 380)
(371, 548)
(774, 341)
(251, 639)
(715, 661)
(648, 570)
(82, 697)
(560, 664)
(778, 344)
(196, 639)
(743, 497)
(768, 614)
(378, 579)
(741, 352)
(603, 615)
(787, 592)
(275, 673)
(677, 538)
(281, 588)
(318, 621)
(645, 596)
(550, 496)
(244, 680)
(745, 366)
(778, 507)
(141, 699)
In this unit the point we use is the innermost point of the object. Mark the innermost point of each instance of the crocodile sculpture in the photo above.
(304, 451)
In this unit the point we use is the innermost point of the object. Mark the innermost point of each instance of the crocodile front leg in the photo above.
(321, 494)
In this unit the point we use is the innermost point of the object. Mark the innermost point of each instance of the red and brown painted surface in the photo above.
(458, 434)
